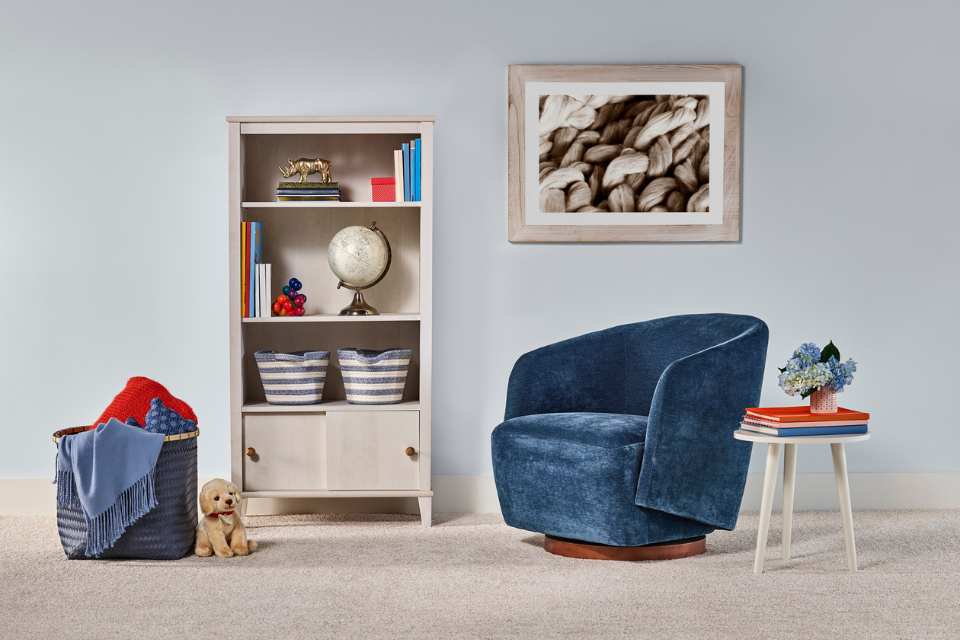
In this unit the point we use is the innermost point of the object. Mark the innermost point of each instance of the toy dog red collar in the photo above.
(217, 514)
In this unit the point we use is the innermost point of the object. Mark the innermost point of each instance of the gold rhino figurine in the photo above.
(306, 166)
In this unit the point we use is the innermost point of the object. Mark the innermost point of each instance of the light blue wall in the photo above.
(113, 197)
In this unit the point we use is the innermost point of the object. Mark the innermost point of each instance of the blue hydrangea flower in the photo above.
(808, 353)
(842, 373)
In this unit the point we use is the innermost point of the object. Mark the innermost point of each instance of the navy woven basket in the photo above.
(167, 532)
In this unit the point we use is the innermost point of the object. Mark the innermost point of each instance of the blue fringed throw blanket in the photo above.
(109, 471)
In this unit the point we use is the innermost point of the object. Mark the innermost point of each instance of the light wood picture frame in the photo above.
(624, 153)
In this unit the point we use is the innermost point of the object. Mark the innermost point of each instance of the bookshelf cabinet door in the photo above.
(369, 450)
(283, 452)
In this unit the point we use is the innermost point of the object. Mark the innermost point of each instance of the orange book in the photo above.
(786, 415)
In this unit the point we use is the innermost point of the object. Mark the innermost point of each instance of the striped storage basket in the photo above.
(165, 533)
(374, 377)
(293, 378)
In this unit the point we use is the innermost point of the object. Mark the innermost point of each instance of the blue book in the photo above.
(413, 170)
(416, 170)
(256, 257)
(847, 430)
(406, 171)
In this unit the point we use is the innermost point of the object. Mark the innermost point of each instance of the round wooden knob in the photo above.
(251, 452)
(410, 451)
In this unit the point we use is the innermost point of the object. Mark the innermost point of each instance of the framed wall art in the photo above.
(624, 153)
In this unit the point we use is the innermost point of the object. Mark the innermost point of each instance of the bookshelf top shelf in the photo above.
(319, 204)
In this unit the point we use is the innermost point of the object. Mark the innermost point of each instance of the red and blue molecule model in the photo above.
(290, 302)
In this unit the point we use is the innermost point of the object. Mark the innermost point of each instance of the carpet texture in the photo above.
(471, 576)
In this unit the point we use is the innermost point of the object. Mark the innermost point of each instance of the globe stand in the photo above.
(359, 306)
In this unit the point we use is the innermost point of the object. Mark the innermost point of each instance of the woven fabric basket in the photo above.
(165, 533)
(293, 378)
(374, 377)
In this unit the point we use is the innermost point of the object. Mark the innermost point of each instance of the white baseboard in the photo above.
(477, 494)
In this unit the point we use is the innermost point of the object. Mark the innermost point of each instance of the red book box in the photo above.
(384, 189)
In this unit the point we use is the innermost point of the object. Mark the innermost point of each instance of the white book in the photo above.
(398, 174)
(267, 295)
(262, 283)
(258, 292)
(264, 287)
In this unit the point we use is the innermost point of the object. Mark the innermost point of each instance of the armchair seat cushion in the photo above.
(608, 430)
(574, 475)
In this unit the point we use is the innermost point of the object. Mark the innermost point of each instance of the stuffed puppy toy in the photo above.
(221, 531)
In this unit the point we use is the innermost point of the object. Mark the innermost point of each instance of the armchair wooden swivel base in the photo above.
(656, 551)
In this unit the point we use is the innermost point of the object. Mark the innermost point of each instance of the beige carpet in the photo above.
(472, 576)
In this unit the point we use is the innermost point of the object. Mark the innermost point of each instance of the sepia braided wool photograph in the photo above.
(624, 153)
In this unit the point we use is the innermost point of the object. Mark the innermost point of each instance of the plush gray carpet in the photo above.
(471, 576)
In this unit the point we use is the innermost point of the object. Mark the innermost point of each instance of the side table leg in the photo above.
(846, 511)
(789, 488)
(766, 504)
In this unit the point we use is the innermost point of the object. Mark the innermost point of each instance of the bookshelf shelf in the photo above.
(383, 317)
(332, 449)
(323, 407)
(330, 205)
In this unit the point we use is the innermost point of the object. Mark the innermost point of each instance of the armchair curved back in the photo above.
(653, 346)
(616, 370)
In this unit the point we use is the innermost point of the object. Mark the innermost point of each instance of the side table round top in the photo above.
(751, 436)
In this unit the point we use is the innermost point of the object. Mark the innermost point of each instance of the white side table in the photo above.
(789, 446)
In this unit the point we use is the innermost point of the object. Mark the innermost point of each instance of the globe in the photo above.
(360, 258)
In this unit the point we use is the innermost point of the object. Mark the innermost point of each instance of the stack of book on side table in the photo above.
(308, 191)
(798, 421)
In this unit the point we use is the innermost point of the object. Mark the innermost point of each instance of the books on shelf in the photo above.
(308, 191)
(798, 421)
(407, 171)
(254, 274)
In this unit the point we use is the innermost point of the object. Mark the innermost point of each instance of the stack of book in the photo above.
(406, 171)
(798, 421)
(308, 191)
(254, 273)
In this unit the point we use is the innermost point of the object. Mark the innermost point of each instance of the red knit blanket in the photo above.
(134, 402)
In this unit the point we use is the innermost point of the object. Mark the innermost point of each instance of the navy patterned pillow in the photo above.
(160, 419)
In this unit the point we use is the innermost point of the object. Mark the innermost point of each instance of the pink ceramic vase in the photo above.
(823, 400)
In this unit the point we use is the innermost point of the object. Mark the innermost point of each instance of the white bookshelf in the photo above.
(331, 449)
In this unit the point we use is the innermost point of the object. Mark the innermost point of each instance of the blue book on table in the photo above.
(847, 430)
(406, 171)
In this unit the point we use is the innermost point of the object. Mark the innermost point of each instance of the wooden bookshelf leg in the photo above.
(766, 504)
(846, 511)
(789, 488)
(426, 511)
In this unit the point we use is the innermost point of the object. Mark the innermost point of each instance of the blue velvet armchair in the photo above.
(624, 436)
